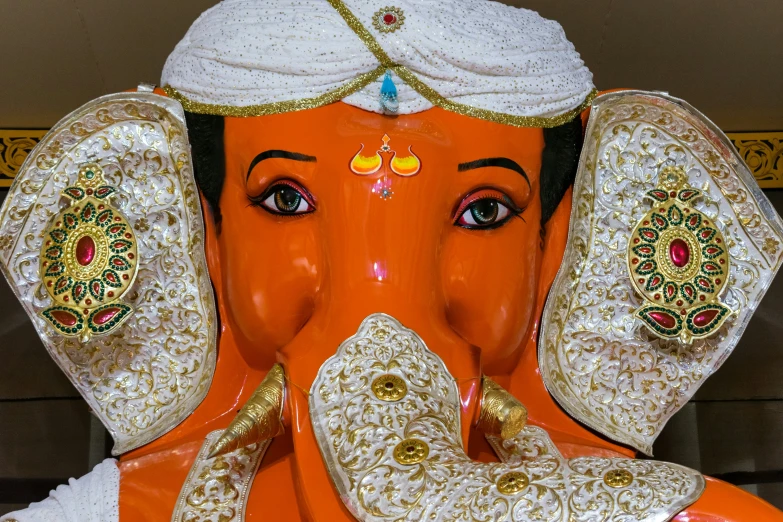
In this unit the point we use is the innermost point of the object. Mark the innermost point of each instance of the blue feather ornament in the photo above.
(388, 98)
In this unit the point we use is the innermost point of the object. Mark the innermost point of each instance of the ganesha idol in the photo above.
(358, 261)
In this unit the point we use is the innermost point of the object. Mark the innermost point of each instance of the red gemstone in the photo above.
(104, 316)
(672, 194)
(679, 253)
(85, 250)
(702, 298)
(663, 319)
(110, 277)
(389, 18)
(65, 318)
(705, 318)
(679, 303)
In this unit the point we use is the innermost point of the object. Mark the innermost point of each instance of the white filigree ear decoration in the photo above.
(671, 247)
(102, 241)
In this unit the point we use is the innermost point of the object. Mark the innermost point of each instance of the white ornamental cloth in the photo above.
(478, 57)
(91, 498)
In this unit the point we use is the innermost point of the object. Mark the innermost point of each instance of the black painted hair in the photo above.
(558, 167)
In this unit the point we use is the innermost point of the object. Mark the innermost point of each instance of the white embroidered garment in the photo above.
(91, 498)
(479, 53)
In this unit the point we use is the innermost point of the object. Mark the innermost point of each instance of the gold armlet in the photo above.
(259, 419)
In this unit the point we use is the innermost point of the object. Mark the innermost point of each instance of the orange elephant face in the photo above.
(331, 214)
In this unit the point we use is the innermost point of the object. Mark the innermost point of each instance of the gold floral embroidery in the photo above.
(216, 489)
(361, 438)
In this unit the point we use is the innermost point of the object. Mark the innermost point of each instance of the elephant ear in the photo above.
(671, 247)
(102, 241)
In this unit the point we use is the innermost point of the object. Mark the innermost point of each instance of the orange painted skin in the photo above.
(290, 289)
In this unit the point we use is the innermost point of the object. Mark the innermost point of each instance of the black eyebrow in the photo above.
(503, 163)
(269, 154)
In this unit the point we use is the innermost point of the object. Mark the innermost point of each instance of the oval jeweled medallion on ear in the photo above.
(678, 262)
(88, 260)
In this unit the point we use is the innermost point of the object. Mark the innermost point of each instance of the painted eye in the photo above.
(285, 198)
(486, 209)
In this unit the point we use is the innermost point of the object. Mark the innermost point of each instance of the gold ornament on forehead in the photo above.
(88, 260)
(405, 166)
(678, 262)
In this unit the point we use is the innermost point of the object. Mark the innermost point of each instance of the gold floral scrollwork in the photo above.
(216, 489)
(15, 145)
(763, 152)
(404, 460)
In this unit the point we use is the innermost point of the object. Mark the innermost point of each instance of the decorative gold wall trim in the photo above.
(762, 151)
(15, 145)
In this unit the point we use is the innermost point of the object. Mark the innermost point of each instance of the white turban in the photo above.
(475, 57)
